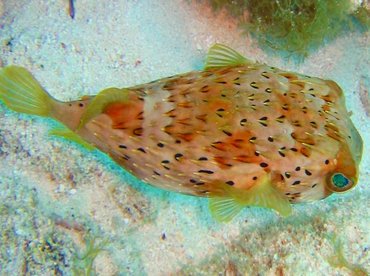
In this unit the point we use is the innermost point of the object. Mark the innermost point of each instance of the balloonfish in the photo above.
(238, 132)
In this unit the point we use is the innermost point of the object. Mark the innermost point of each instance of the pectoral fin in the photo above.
(102, 100)
(221, 56)
(224, 209)
(263, 194)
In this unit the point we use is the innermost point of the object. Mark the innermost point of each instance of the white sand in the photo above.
(49, 185)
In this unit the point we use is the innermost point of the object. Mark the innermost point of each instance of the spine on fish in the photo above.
(21, 92)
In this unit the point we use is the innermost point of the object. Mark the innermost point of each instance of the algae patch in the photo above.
(338, 259)
(296, 27)
(83, 262)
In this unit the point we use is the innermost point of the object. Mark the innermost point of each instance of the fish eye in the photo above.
(340, 183)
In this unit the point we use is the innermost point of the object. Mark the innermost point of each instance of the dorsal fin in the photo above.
(225, 206)
(220, 55)
(104, 98)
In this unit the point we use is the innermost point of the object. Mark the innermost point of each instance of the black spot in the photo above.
(230, 182)
(287, 174)
(70, 104)
(254, 177)
(126, 157)
(243, 122)
(165, 162)
(203, 158)
(293, 149)
(204, 89)
(80, 104)
(297, 182)
(280, 119)
(254, 85)
(252, 139)
(268, 90)
(297, 169)
(270, 139)
(157, 173)
(138, 131)
(178, 156)
(178, 141)
(326, 162)
(236, 81)
(264, 74)
(206, 171)
(142, 150)
(163, 237)
(263, 165)
(296, 123)
(282, 154)
(307, 172)
(227, 133)
(193, 181)
(314, 185)
(257, 153)
(161, 145)
(122, 146)
(311, 89)
(220, 109)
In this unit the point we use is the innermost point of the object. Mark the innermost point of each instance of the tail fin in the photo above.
(21, 92)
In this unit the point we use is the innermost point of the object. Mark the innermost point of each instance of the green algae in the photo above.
(362, 15)
(338, 259)
(295, 27)
(83, 262)
(36, 242)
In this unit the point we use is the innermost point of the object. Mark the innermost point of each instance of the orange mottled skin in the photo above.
(192, 133)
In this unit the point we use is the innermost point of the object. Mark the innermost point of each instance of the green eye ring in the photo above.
(339, 180)
(340, 183)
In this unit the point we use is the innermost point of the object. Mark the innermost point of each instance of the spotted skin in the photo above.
(230, 125)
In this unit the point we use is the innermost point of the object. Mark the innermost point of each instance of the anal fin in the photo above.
(102, 100)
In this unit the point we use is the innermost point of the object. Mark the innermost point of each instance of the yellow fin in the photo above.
(68, 134)
(220, 55)
(21, 92)
(100, 101)
(224, 208)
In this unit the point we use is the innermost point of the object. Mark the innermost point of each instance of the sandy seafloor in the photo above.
(54, 193)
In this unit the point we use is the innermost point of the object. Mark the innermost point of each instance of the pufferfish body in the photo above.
(238, 132)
